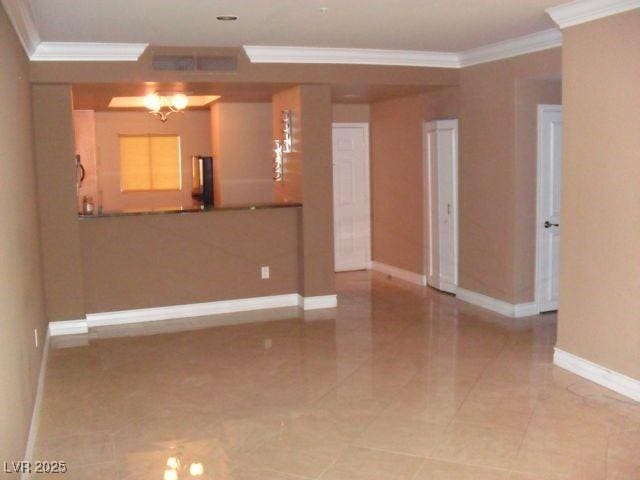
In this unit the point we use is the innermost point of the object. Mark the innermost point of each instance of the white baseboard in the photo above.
(622, 384)
(396, 272)
(35, 416)
(315, 303)
(68, 327)
(495, 305)
(191, 310)
(124, 317)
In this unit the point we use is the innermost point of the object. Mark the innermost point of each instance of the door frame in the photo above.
(542, 108)
(365, 126)
(426, 203)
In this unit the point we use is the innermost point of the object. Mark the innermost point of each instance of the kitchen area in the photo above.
(181, 213)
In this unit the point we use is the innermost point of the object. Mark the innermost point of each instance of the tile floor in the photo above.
(398, 383)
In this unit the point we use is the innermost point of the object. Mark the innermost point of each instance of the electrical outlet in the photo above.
(264, 273)
(35, 336)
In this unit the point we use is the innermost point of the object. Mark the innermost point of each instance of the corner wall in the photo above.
(599, 276)
(397, 201)
(242, 146)
(21, 295)
(494, 188)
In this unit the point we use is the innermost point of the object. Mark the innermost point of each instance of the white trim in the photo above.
(124, 317)
(365, 126)
(525, 309)
(581, 11)
(68, 327)
(351, 56)
(315, 303)
(35, 415)
(88, 52)
(495, 305)
(21, 16)
(539, 226)
(624, 385)
(396, 272)
(190, 310)
(535, 42)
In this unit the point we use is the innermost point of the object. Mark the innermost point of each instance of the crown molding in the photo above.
(581, 11)
(351, 56)
(535, 42)
(21, 16)
(88, 52)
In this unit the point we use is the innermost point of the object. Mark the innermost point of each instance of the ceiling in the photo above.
(431, 25)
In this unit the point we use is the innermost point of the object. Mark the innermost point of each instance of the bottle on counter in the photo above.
(87, 205)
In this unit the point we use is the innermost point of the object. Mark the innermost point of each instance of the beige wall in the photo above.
(57, 201)
(599, 275)
(489, 187)
(242, 138)
(21, 295)
(396, 175)
(147, 261)
(529, 94)
(308, 177)
(194, 130)
(351, 113)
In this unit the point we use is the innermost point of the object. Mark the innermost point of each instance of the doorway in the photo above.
(549, 179)
(351, 197)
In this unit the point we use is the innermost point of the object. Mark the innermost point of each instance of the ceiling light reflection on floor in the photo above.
(196, 469)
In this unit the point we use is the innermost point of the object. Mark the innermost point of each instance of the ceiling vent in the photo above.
(217, 64)
(183, 63)
(174, 62)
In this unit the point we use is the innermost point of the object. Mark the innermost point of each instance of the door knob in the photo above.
(548, 224)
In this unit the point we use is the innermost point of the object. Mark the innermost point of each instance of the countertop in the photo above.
(185, 209)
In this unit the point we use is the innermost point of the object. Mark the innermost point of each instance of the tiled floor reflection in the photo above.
(399, 382)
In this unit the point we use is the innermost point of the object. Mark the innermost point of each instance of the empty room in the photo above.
(320, 240)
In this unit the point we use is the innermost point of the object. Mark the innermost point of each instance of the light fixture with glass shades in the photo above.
(164, 105)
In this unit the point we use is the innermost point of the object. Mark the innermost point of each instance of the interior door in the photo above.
(352, 224)
(549, 180)
(441, 168)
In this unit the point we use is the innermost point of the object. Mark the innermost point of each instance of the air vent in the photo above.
(174, 62)
(188, 62)
(217, 64)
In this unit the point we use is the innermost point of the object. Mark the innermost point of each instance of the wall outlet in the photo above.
(264, 273)
(35, 336)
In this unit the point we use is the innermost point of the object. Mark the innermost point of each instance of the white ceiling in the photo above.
(432, 25)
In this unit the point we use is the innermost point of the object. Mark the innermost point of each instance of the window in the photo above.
(150, 162)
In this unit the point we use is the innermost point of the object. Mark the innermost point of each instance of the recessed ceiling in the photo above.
(139, 101)
(432, 25)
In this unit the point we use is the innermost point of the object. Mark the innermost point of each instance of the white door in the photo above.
(548, 229)
(441, 185)
(352, 223)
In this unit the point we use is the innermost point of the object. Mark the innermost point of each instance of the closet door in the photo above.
(441, 185)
